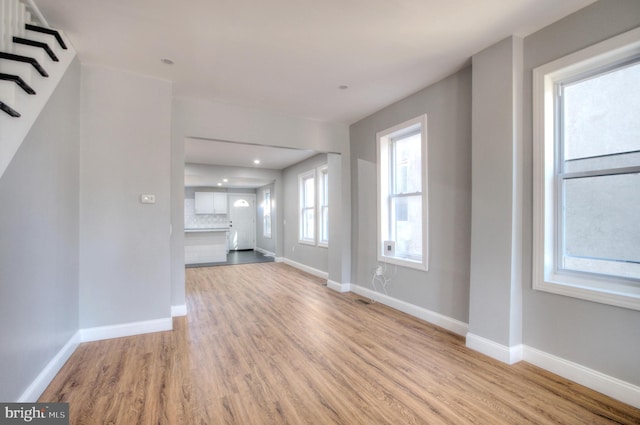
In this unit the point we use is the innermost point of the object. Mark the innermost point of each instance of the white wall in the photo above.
(39, 242)
(125, 152)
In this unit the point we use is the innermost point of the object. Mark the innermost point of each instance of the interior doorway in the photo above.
(242, 221)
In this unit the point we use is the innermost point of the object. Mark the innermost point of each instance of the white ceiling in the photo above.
(208, 163)
(290, 56)
(215, 152)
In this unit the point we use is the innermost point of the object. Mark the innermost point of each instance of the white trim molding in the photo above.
(305, 268)
(549, 273)
(178, 310)
(598, 381)
(338, 287)
(126, 329)
(265, 252)
(44, 378)
(503, 353)
(432, 317)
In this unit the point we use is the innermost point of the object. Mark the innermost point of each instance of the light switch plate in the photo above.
(148, 198)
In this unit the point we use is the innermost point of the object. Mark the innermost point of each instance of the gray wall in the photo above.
(262, 242)
(39, 242)
(197, 118)
(445, 287)
(598, 336)
(312, 256)
(124, 244)
(495, 294)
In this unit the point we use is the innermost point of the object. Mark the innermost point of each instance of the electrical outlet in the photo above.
(389, 248)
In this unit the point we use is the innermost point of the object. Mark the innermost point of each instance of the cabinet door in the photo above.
(204, 203)
(220, 202)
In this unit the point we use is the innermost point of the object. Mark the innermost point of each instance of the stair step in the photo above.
(19, 81)
(48, 31)
(9, 110)
(25, 59)
(23, 69)
(40, 44)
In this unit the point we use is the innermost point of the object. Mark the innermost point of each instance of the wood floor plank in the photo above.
(268, 344)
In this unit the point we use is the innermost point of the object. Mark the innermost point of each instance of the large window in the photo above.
(323, 205)
(587, 173)
(314, 206)
(307, 188)
(266, 213)
(402, 194)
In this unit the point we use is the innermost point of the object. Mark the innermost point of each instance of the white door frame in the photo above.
(230, 195)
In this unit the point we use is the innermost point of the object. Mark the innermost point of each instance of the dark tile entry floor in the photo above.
(238, 257)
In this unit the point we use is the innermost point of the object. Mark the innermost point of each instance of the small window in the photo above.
(402, 200)
(307, 186)
(587, 173)
(266, 213)
(323, 206)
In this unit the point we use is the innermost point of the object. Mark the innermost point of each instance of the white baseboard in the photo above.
(305, 268)
(178, 310)
(126, 329)
(265, 252)
(279, 259)
(598, 381)
(605, 384)
(438, 319)
(44, 378)
(339, 287)
(509, 355)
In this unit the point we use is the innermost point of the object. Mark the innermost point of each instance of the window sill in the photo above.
(619, 294)
(403, 263)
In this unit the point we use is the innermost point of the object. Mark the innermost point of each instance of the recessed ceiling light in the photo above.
(219, 184)
(225, 180)
(167, 61)
(256, 161)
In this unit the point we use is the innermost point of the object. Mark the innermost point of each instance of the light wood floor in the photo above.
(266, 344)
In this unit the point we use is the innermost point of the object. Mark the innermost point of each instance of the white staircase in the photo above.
(33, 59)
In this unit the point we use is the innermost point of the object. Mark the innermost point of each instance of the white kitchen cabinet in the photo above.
(204, 203)
(203, 246)
(210, 203)
(219, 203)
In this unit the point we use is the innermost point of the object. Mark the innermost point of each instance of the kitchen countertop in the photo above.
(208, 229)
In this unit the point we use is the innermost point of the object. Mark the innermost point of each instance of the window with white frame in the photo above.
(307, 203)
(587, 173)
(402, 194)
(323, 205)
(266, 213)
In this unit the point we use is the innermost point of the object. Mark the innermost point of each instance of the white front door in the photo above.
(242, 221)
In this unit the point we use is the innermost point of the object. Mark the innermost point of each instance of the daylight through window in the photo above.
(402, 206)
(587, 173)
